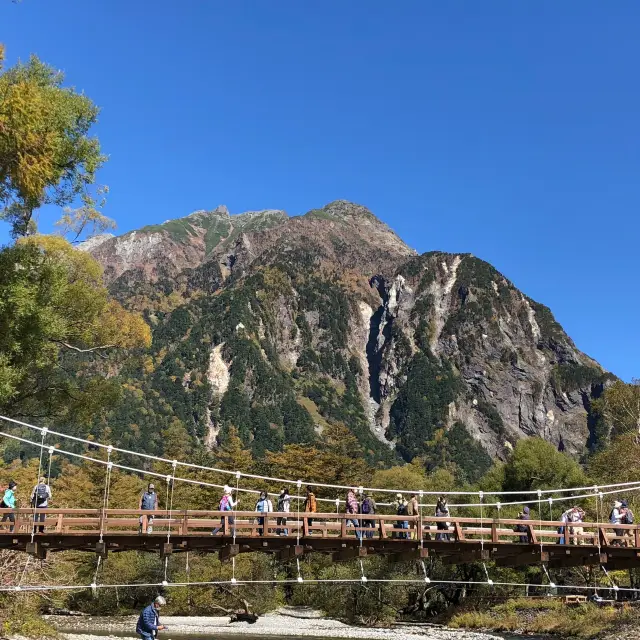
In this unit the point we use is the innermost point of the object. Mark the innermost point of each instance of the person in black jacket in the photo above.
(522, 528)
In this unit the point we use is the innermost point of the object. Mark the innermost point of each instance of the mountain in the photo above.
(282, 325)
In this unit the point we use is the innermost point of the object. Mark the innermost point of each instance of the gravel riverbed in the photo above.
(281, 624)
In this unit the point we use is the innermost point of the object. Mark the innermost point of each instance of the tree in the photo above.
(619, 406)
(46, 153)
(537, 464)
(56, 319)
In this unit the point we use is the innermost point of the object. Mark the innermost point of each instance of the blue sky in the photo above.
(506, 129)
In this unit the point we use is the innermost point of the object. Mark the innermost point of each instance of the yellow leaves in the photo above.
(122, 328)
(27, 145)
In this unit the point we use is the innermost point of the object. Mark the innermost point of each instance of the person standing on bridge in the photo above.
(310, 506)
(368, 508)
(352, 508)
(442, 511)
(284, 505)
(148, 502)
(149, 620)
(413, 509)
(40, 497)
(9, 502)
(264, 505)
(523, 528)
(402, 509)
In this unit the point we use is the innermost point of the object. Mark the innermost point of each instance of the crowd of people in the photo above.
(360, 506)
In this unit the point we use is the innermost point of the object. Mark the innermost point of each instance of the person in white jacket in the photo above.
(264, 505)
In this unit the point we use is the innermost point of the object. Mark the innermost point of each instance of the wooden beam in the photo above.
(522, 559)
(474, 555)
(408, 556)
(291, 552)
(349, 554)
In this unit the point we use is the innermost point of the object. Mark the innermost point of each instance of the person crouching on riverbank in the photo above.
(149, 620)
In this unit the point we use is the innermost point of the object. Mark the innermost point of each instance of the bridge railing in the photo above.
(320, 525)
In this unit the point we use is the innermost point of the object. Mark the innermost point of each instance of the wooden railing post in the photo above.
(382, 529)
(184, 529)
(225, 525)
(343, 527)
(305, 526)
(494, 531)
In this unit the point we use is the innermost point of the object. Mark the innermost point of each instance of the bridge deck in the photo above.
(457, 540)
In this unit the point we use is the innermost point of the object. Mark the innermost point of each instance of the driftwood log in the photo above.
(238, 615)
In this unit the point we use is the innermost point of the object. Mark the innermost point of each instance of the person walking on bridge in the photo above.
(148, 502)
(227, 503)
(149, 620)
(40, 497)
(284, 505)
(352, 508)
(9, 502)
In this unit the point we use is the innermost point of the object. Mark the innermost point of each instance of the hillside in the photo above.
(280, 326)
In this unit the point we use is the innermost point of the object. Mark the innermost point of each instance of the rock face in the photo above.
(282, 325)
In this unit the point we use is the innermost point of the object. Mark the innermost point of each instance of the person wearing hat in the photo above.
(401, 506)
(149, 620)
(525, 514)
(148, 502)
(615, 517)
(227, 503)
(9, 502)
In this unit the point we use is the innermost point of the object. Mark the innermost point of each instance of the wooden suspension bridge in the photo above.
(453, 540)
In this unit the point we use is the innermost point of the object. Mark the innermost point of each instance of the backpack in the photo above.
(261, 506)
(224, 504)
(312, 504)
(148, 501)
(281, 503)
(628, 517)
(42, 494)
(366, 506)
(402, 509)
(611, 518)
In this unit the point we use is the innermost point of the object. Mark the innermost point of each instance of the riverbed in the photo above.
(273, 626)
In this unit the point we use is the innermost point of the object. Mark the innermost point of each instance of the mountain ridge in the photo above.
(289, 323)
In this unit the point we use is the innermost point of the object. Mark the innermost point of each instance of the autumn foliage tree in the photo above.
(57, 318)
(47, 155)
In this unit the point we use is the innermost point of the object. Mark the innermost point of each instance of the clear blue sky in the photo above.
(510, 130)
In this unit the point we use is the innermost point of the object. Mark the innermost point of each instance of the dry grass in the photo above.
(548, 617)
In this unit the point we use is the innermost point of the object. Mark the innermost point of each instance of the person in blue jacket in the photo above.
(9, 502)
(149, 620)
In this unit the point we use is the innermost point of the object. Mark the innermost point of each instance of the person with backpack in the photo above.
(148, 502)
(310, 506)
(263, 505)
(368, 507)
(149, 621)
(615, 517)
(525, 514)
(352, 508)
(442, 511)
(401, 507)
(227, 503)
(40, 497)
(627, 518)
(413, 509)
(9, 502)
(284, 505)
